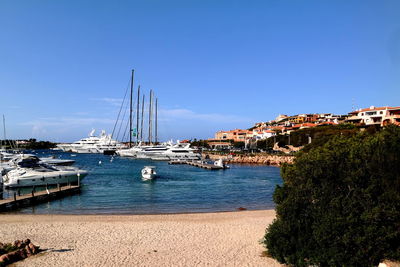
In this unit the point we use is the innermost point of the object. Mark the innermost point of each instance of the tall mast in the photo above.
(4, 129)
(141, 127)
(150, 108)
(156, 137)
(137, 116)
(130, 112)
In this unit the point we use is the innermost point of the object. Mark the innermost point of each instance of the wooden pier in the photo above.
(205, 165)
(198, 164)
(33, 198)
(178, 162)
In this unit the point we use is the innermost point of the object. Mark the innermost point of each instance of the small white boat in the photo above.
(220, 163)
(148, 173)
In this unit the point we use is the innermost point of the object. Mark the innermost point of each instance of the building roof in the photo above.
(374, 108)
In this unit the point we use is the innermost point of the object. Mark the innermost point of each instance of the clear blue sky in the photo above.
(64, 65)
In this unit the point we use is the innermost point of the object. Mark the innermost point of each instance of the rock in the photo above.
(387, 263)
(28, 250)
(241, 208)
(273, 160)
(19, 244)
(22, 254)
(33, 248)
(4, 259)
(13, 256)
(23, 250)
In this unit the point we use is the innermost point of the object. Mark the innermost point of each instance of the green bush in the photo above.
(339, 204)
(238, 144)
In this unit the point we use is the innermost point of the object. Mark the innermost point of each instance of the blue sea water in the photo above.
(115, 187)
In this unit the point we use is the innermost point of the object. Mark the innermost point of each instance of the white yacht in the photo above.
(129, 152)
(151, 151)
(108, 144)
(30, 172)
(92, 144)
(173, 152)
(140, 151)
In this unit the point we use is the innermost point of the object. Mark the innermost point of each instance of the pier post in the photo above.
(79, 180)
(58, 187)
(15, 196)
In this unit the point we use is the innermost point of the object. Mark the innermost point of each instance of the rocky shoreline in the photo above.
(273, 160)
(19, 250)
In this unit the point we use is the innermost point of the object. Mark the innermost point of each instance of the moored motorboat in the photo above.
(220, 163)
(56, 161)
(30, 172)
(148, 173)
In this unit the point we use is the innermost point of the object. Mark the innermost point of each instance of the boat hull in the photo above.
(148, 177)
(53, 179)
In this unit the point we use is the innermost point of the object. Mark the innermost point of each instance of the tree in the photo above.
(238, 144)
(200, 143)
(339, 204)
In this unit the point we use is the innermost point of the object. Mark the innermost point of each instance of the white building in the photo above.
(375, 116)
(264, 134)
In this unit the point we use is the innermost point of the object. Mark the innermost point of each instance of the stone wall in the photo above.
(264, 159)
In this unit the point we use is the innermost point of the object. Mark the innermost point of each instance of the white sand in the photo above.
(206, 239)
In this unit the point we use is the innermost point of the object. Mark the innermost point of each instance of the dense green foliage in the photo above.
(340, 203)
(238, 144)
(30, 144)
(34, 144)
(199, 143)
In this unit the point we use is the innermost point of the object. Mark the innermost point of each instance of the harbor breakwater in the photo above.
(264, 159)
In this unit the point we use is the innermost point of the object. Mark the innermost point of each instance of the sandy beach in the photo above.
(203, 239)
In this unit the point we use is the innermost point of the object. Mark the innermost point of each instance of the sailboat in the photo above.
(136, 149)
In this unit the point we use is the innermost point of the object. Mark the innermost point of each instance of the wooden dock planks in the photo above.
(205, 165)
(31, 199)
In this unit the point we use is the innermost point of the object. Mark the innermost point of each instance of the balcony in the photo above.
(393, 116)
(353, 118)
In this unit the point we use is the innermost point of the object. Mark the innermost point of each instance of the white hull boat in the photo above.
(172, 152)
(23, 178)
(130, 152)
(220, 163)
(58, 162)
(92, 144)
(148, 173)
(30, 172)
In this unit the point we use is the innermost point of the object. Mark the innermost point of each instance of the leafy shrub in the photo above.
(340, 203)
